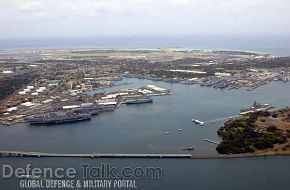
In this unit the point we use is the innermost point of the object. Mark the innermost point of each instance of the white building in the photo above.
(7, 72)
(223, 74)
(30, 87)
(12, 109)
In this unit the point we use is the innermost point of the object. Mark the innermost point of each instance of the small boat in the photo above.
(29, 176)
(189, 148)
(167, 132)
(197, 122)
(26, 176)
(179, 129)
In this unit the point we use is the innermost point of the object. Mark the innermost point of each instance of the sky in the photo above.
(58, 18)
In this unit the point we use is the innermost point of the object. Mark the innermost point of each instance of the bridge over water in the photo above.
(124, 155)
(89, 155)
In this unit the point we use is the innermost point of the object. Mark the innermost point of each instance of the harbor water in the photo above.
(140, 128)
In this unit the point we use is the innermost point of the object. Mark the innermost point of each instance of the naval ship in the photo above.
(57, 117)
(93, 110)
(139, 100)
(255, 108)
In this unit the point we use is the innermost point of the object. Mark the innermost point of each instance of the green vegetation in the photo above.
(10, 84)
(242, 135)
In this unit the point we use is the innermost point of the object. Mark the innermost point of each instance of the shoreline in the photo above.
(245, 155)
(276, 51)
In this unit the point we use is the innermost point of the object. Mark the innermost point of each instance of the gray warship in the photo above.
(57, 117)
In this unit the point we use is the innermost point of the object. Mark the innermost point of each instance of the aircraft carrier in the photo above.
(57, 117)
(139, 100)
(93, 110)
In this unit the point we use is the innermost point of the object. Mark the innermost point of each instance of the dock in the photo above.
(211, 141)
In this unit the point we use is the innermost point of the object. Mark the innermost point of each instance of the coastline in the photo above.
(245, 155)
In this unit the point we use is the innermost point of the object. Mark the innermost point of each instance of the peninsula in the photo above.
(260, 132)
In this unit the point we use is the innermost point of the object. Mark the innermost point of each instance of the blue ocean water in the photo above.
(276, 45)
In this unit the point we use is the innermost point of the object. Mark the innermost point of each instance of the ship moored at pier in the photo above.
(139, 100)
(57, 117)
(255, 108)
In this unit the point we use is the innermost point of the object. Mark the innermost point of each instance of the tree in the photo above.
(272, 128)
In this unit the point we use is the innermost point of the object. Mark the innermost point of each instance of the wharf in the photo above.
(211, 141)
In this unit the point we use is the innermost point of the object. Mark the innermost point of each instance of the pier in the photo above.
(211, 141)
